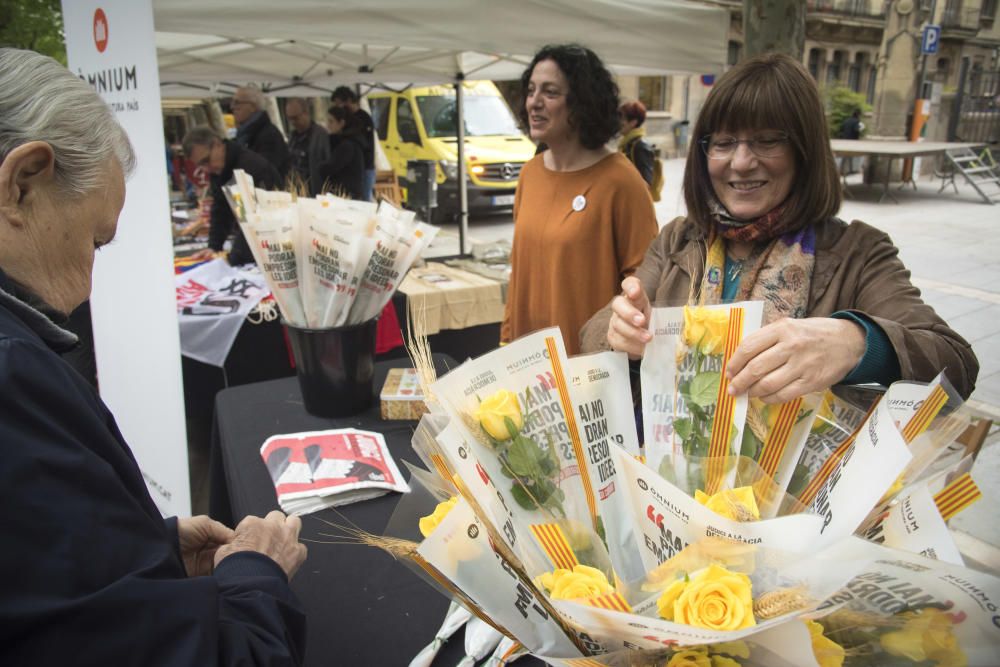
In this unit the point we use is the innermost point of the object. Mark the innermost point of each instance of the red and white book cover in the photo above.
(318, 469)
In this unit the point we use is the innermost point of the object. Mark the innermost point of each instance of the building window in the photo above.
(654, 92)
(833, 69)
(988, 11)
(814, 59)
(872, 75)
(733, 56)
(854, 72)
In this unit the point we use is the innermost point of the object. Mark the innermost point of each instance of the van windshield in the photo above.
(484, 116)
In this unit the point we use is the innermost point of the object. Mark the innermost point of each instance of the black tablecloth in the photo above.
(363, 607)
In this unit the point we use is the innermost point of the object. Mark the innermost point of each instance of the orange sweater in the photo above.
(566, 264)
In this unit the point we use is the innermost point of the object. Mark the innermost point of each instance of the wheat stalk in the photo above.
(419, 348)
(779, 602)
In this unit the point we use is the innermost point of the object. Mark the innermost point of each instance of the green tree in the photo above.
(841, 102)
(35, 25)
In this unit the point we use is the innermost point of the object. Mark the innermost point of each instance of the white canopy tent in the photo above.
(308, 47)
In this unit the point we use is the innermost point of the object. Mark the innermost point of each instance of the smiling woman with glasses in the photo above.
(762, 196)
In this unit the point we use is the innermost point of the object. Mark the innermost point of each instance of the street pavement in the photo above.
(950, 242)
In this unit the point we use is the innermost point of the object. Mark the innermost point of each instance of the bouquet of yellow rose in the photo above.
(537, 514)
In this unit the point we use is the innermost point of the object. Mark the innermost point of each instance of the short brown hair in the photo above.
(769, 91)
(633, 110)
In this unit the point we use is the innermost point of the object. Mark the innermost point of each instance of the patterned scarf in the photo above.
(779, 269)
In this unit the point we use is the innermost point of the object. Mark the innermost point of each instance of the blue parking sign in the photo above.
(932, 37)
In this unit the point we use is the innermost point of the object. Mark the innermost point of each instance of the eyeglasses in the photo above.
(723, 146)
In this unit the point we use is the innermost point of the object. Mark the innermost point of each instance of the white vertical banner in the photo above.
(110, 44)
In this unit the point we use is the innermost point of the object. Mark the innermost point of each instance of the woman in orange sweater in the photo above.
(583, 217)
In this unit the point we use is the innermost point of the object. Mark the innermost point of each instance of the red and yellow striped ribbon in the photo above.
(827, 468)
(923, 417)
(574, 433)
(584, 662)
(725, 407)
(441, 467)
(959, 494)
(611, 602)
(777, 439)
(553, 542)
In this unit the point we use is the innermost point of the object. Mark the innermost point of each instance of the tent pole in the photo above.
(463, 193)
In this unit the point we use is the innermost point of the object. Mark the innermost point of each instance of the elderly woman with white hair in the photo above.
(94, 573)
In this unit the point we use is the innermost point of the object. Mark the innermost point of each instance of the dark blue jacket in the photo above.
(93, 574)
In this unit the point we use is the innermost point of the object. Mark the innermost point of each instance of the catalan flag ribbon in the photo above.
(611, 602)
(923, 417)
(553, 541)
(958, 495)
(777, 439)
(574, 432)
(831, 463)
(725, 407)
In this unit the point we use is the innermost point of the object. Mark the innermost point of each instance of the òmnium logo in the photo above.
(100, 30)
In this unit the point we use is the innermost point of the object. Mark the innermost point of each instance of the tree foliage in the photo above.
(840, 104)
(35, 25)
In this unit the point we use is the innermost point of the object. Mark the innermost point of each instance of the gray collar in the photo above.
(55, 336)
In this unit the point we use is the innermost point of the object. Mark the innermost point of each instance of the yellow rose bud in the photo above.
(828, 652)
(716, 599)
(926, 635)
(691, 657)
(580, 582)
(494, 409)
(706, 328)
(737, 504)
(428, 523)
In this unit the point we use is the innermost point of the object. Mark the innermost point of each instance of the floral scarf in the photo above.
(779, 269)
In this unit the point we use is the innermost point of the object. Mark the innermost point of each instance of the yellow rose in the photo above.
(706, 328)
(580, 582)
(494, 409)
(738, 649)
(926, 635)
(430, 522)
(691, 657)
(828, 652)
(665, 603)
(716, 599)
(723, 661)
(738, 504)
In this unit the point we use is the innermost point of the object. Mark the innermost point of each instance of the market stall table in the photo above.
(891, 150)
(363, 607)
(460, 311)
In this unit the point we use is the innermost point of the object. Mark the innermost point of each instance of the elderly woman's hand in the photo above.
(790, 358)
(628, 329)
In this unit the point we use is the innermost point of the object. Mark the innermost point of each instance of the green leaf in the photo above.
(521, 497)
(751, 445)
(799, 480)
(511, 427)
(522, 458)
(705, 388)
(682, 427)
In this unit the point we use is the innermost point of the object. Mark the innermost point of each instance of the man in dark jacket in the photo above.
(308, 143)
(204, 147)
(254, 129)
(95, 574)
(347, 98)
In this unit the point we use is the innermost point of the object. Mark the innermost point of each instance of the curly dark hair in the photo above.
(593, 93)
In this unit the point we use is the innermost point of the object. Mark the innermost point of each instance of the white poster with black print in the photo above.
(213, 301)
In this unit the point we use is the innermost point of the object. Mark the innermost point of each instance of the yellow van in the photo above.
(419, 124)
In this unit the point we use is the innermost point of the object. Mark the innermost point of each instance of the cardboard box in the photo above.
(401, 395)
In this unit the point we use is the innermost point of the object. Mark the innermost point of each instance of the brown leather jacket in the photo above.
(857, 269)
